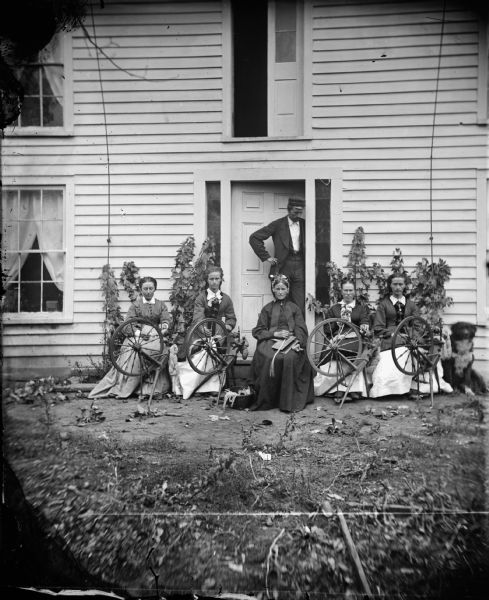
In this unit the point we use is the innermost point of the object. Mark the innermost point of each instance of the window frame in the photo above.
(228, 78)
(482, 74)
(66, 316)
(67, 128)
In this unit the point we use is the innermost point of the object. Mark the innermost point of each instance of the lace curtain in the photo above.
(43, 221)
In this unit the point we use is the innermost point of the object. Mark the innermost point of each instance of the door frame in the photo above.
(227, 176)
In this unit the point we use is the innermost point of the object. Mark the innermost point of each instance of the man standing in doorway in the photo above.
(288, 234)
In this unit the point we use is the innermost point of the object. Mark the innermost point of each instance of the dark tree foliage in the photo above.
(26, 27)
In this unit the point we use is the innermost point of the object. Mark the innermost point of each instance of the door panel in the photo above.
(254, 205)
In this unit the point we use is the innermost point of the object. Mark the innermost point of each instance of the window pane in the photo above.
(52, 207)
(30, 297)
(31, 112)
(53, 266)
(29, 199)
(10, 299)
(52, 112)
(31, 271)
(52, 298)
(10, 206)
(250, 68)
(213, 190)
(285, 44)
(52, 81)
(323, 238)
(29, 80)
(285, 16)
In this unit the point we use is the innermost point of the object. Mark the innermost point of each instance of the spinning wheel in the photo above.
(337, 350)
(137, 349)
(211, 349)
(415, 350)
(208, 347)
(334, 345)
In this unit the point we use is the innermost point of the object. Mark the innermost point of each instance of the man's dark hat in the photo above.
(296, 202)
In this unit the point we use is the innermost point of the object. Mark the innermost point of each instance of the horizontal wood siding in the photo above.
(372, 101)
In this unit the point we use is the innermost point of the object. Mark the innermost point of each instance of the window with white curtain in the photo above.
(34, 250)
(46, 80)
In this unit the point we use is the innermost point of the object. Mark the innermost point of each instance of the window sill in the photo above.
(36, 319)
(285, 138)
(38, 132)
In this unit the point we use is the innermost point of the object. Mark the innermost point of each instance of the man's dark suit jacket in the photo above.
(280, 233)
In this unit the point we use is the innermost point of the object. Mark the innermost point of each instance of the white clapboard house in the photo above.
(160, 119)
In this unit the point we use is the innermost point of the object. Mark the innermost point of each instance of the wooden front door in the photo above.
(254, 205)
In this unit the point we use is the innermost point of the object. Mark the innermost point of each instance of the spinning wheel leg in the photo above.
(140, 386)
(431, 388)
(153, 387)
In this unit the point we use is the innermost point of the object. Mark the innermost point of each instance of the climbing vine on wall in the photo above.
(189, 279)
(427, 281)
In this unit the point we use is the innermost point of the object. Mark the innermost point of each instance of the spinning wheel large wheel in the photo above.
(413, 347)
(136, 348)
(334, 349)
(208, 348)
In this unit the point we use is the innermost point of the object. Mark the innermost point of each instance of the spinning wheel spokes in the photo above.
(333, 348)
(136, 347)
(208, 349)
(413, 349)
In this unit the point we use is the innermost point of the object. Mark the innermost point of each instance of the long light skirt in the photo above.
(190, 380)
(327, 383)
(116, 384)
(387, 379)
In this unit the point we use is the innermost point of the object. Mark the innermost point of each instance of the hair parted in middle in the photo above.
(279, 278)
(145, 280)
(395, 275)
(214, 269)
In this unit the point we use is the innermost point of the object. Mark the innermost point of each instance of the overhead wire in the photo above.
(107, 149)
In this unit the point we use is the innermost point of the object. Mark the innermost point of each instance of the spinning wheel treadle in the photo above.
(208, 347)
(137, 347)
(413, 347)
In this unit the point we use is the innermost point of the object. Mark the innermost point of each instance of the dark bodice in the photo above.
(157, 312)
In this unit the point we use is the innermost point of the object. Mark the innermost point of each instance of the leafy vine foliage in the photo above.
(429, 288)
(189, 279)
(427, 281)
(129, 279)
(112, 310)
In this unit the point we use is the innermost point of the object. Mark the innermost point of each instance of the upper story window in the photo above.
(46, 80)
(267, 69)
(34, 252)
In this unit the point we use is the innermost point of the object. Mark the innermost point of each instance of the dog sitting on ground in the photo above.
(458, 369)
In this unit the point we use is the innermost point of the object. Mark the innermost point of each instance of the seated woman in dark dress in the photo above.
(281, 379)
(350, 310)
(212, 303)
(387, 379)
(116, 383)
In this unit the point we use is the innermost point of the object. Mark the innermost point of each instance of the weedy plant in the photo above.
(189, 279)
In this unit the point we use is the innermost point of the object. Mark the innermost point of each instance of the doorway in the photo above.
(254, 204)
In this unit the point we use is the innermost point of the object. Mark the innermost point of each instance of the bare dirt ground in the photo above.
(196, 499)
